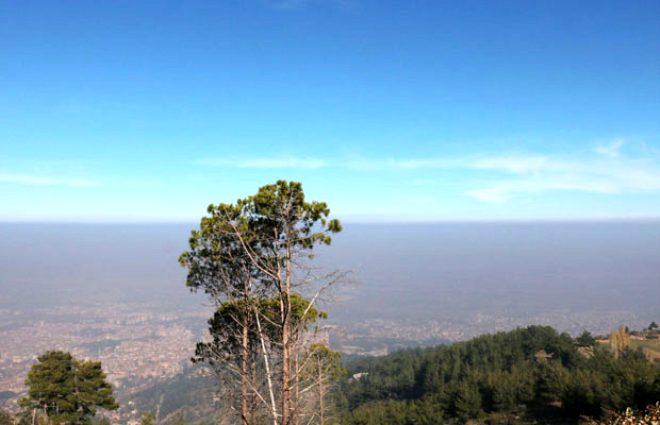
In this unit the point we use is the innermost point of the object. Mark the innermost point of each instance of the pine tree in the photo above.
(585, 339)
(246, 257)
(67, 390)
(467, 401)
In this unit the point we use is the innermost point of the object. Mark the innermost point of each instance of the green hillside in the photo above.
(189, 393)
(522, 376)
(527, 375)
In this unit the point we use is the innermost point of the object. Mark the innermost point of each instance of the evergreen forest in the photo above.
(526, 375)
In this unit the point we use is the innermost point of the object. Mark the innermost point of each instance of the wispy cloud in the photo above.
(519, 164)
(373, 164)
(611, 172)
(612, 149)
(500, 178)
(509, 163)
(502, 163)
(36, 180)
(503, 191)
(275, 162)
(358, 164)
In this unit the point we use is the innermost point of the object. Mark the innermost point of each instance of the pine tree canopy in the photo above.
(68, 390)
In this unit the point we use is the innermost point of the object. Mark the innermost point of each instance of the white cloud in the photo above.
(34, 180)
(611, 150)
(515, 164)
(505, 163)
(637, 176)
(413, 164)
(503, 191)
(610, 175)
(362, 164)
(276, 162)
(500, 178)
(370, 164)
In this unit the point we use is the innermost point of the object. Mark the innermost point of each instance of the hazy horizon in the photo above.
(374, 221)
(401, 272)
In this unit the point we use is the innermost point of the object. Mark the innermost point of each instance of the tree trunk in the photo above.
(286, 373)
(286, 325)
(244, 366)
(273, 408)
(321, 395)
(253, 398)
(296, 394)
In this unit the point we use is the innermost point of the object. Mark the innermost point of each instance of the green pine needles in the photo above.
(67, 390)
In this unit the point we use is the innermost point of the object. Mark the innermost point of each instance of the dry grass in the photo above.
(650, 416)
(651, 348)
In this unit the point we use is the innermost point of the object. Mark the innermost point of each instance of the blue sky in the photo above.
(389, 111)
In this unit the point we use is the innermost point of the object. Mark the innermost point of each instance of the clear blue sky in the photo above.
(408, 110)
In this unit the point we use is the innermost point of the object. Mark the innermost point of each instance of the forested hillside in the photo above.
(509, 377)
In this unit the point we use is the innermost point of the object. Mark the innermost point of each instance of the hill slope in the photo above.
(523, 375)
